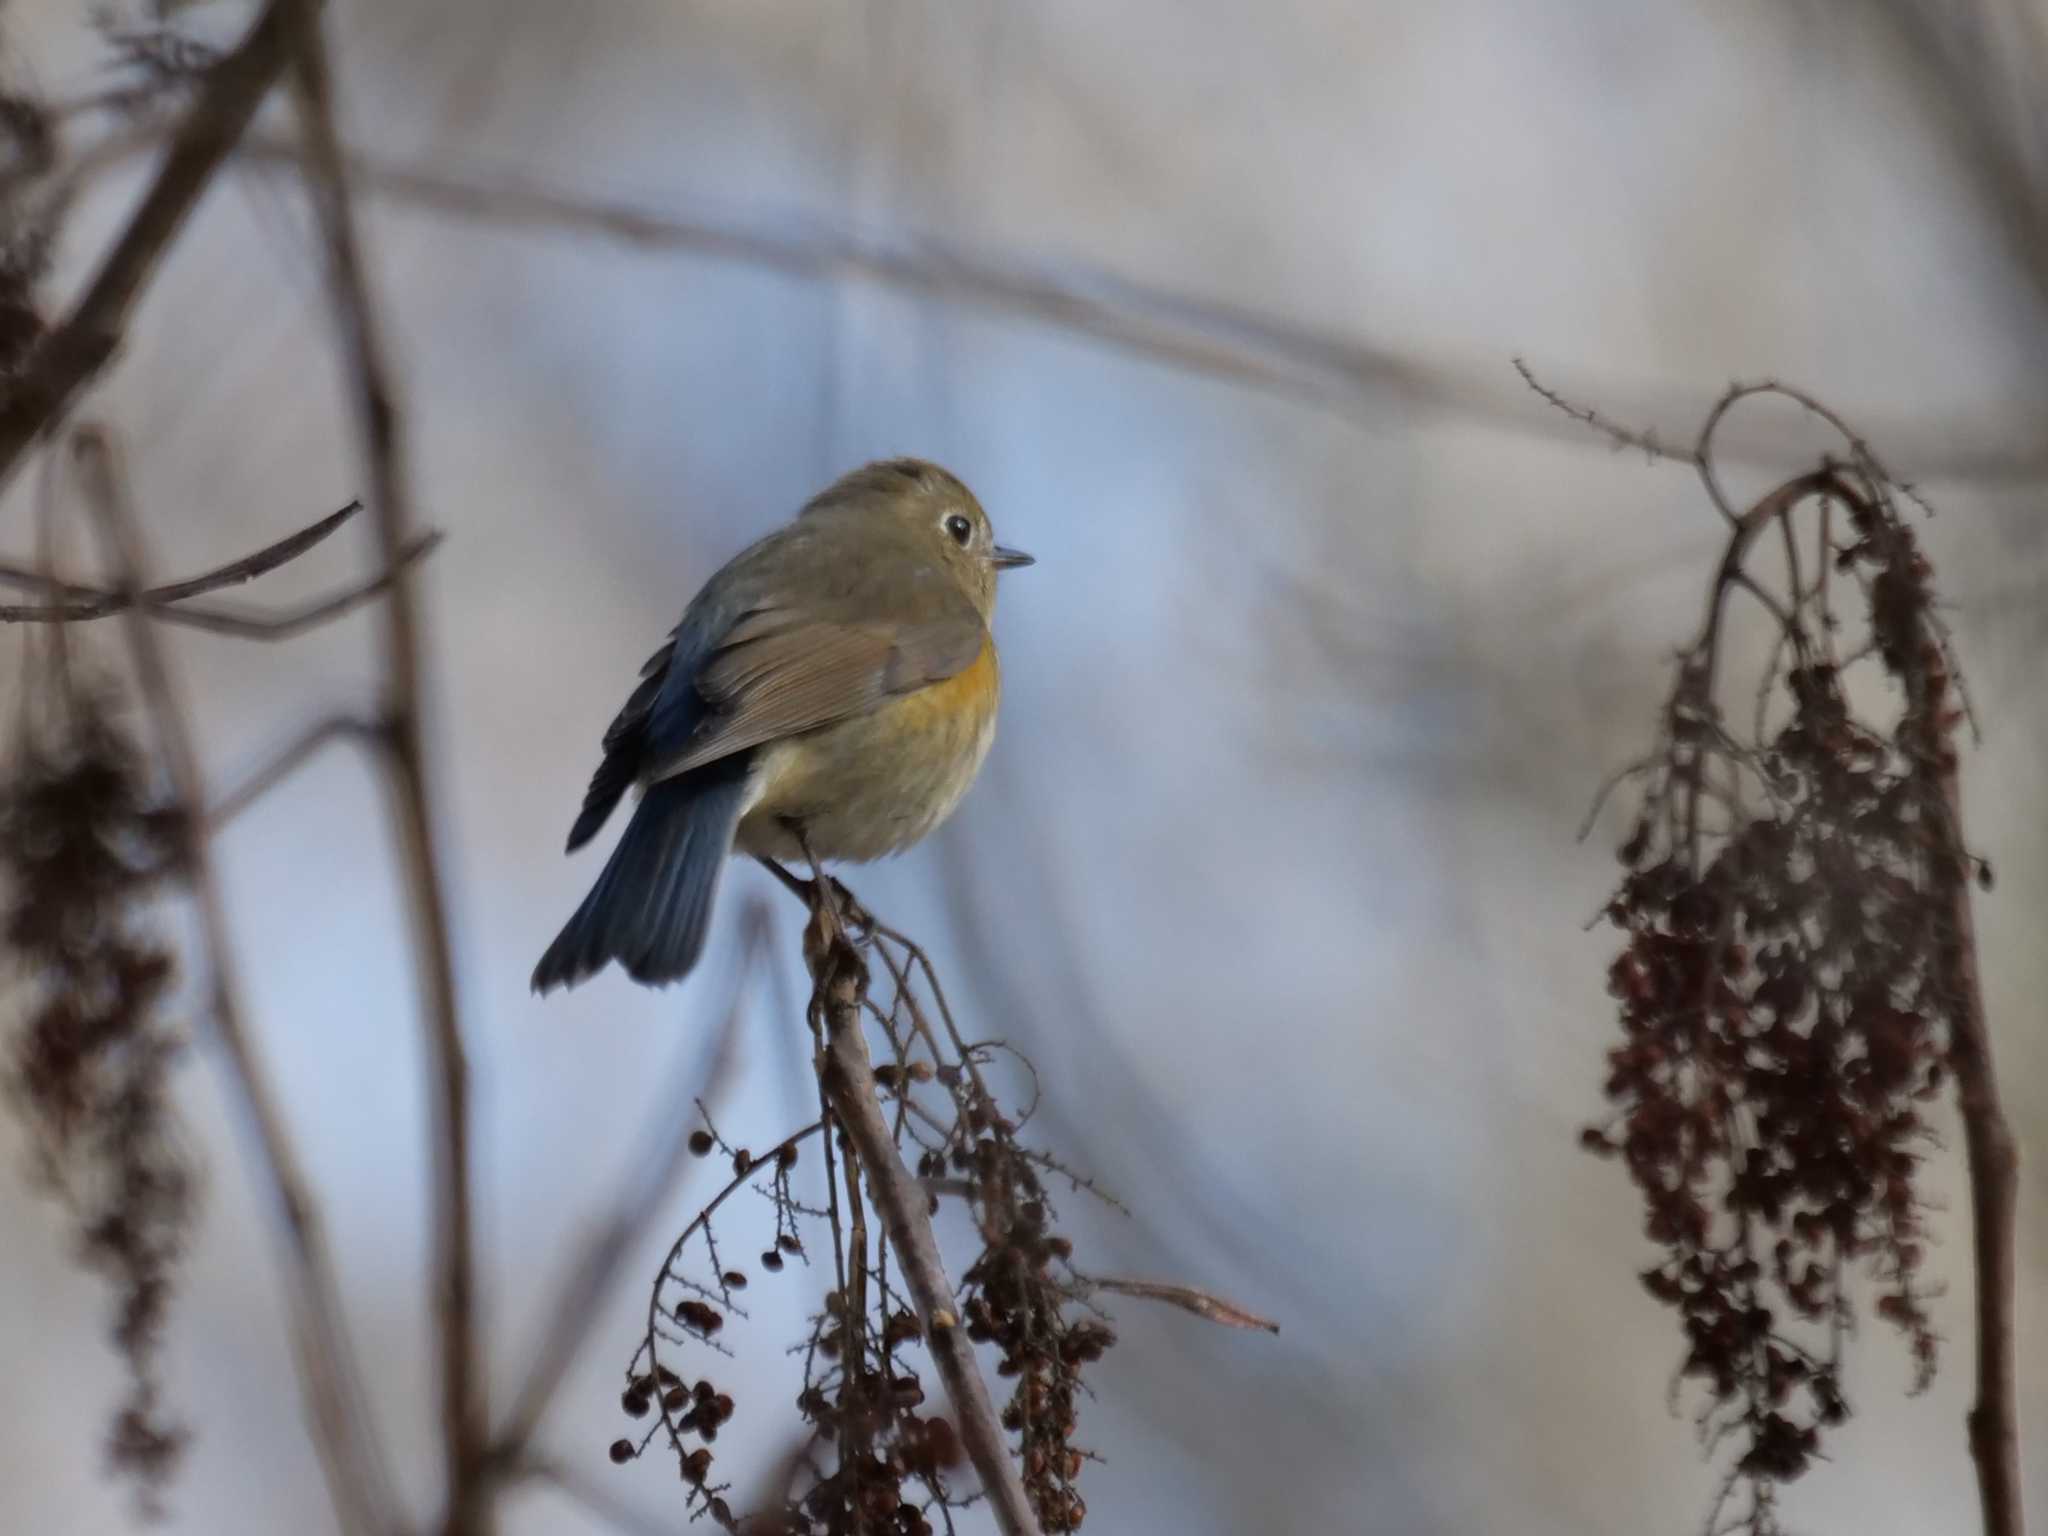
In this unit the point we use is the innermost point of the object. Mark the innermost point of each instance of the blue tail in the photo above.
(652, 905)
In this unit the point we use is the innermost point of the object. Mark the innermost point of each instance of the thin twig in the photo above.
(81, 603)
(98, 604)
(1644, 442)
(658, 1165)
(357, 1477)
(1203, 1304)
(70, 356)
(465, 1423)
(849, 1081)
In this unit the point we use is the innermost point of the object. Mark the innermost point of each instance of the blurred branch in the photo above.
(68, 358)
(357, 1477)
(1202, 336)
(658, 1168)
(1350, 378)
(465, 1424)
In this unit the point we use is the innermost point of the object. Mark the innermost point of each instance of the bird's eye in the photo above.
(961, 529)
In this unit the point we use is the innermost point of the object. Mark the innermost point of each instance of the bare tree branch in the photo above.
(95, 604)
(1203, 336)
(357, 1477)
(81, 603)
(465, 1424)
(1992, 1157)
(848, 1079)
(68, 358)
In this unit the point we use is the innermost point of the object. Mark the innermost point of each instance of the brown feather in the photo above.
(780, 672)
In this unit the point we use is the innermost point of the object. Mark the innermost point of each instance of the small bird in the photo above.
(830, 693)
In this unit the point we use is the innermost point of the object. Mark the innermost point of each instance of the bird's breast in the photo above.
(876, 783)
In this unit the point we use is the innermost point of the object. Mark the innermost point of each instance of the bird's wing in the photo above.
(780, 670)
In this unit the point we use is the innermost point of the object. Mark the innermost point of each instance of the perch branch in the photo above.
(465, 1425)
(357, 1478)
(840, 977)
(70, 356)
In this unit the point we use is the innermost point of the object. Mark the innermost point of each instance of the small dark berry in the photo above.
(622, 1452)
(701, 1143)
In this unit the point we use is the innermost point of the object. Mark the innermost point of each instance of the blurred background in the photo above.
(1335, 630)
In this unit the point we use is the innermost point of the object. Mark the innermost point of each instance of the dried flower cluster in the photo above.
(874, 1457)
(1020, 1296)
(82, 851)
(1790, 983)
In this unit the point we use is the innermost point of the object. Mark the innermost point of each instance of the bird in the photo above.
(829, 695)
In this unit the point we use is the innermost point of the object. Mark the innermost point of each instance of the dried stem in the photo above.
(89, 603)
(840, 977)
(1992, 1157)
(465, 1427)
(1204, 1304)
(357, 1477)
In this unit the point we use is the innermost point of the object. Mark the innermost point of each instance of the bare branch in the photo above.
(465, 1424)
(1990, 1151)
(357, 1477)
(264, 560)
(849, 1082)
(81, 603)
(1645, 442)
(1203, 1304)
(1255, 350)
(69, 357)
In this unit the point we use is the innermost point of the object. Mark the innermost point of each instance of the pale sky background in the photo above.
(1272, 870)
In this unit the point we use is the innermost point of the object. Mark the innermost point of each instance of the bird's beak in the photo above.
(1011, 559)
